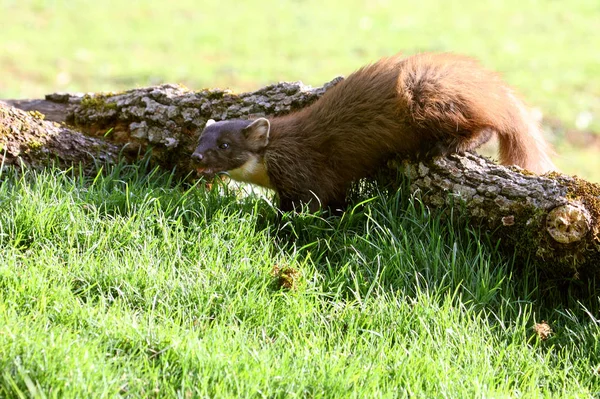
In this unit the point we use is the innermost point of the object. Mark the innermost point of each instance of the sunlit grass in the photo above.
(133, 284)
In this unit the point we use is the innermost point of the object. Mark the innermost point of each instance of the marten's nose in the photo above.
(198, 157)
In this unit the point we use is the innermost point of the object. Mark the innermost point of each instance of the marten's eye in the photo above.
(224, 146)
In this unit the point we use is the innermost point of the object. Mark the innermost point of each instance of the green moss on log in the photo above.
(98, 103)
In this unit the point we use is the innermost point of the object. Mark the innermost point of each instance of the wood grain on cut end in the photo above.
(568, 223)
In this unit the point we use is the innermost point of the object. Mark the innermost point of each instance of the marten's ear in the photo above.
(257, 132)
(209, 122)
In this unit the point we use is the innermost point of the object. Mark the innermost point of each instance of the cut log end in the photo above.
(568, 223)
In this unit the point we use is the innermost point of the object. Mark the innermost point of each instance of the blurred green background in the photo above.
(548, 49)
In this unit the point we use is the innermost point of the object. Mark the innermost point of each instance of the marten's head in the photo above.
(230, 145)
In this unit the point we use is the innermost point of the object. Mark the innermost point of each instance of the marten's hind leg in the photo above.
(459, 144)
(449, 108)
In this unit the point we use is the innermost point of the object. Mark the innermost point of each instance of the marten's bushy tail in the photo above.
(458, 102)
(523, 143)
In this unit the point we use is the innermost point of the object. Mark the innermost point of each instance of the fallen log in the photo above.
(27, 139)
(166, 119)
(552, 220)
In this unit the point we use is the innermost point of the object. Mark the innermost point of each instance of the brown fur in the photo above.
(424, 104)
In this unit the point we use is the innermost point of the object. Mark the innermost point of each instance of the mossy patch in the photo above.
(588, 193)
(95, 114)
(285, 277)
(212, 94)
(37, 115)
(98, 103)
(34, 145)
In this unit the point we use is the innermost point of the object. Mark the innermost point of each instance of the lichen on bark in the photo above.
(168, 119)
(27, 139)
(549, 220)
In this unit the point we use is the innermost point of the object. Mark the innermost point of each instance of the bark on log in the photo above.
(27, 139)
(553, 220)
(166, 119)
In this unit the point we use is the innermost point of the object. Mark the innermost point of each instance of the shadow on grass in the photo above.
(389, 241)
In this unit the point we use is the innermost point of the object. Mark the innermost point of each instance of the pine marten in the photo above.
(431, 104)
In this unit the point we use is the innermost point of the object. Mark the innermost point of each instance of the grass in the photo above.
(132, 284)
